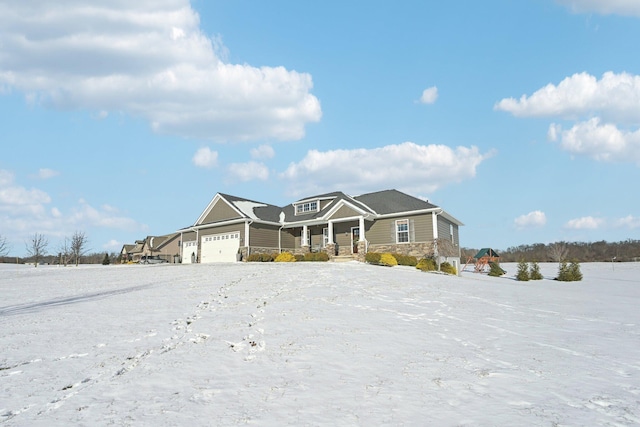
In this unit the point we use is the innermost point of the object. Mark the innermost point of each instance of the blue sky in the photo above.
(123, 119)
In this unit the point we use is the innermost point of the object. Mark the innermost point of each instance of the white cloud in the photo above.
(429, 95)
(45, 173)
(614, 97)
(532, 219)
(112, 245)
(602, 142)
(151, 60)
(605, 7)
(602, 109)
(587, 222)
(262, 152)
(25, 211)
(417, 169)
(628, 222)
(248, 171)
(205, 158)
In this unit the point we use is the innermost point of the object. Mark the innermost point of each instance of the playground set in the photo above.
(482, 260)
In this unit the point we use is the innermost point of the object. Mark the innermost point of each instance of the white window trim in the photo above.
(398, 232)
(325, 237)
(307, 207)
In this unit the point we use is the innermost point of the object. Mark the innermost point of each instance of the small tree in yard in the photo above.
(496, 270)
(534, 272)
(523, 271)
(106, 260)
(78, 245)
(37, 247)
(569, 273)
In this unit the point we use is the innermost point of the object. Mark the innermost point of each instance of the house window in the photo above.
(402, 231)
(451, 232)
(325, 237)
(303, 208)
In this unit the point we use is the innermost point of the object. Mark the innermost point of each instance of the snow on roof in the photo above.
(247, 207)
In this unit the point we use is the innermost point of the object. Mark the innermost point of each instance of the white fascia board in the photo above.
(233, 221)
(451, 218)
(406, 213)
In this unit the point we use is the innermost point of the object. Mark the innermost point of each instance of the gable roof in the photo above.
(376, 204)
(393, 201)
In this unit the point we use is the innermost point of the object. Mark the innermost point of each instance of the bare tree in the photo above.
(37, 247)
(78, 245)
(4, 246)
(558, 251)
(64, 252)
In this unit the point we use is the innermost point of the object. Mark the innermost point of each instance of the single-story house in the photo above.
(230, 228)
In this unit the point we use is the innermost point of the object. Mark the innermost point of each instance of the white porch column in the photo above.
(361, 227)
(305, 236)
(330, 231)
(246, 233)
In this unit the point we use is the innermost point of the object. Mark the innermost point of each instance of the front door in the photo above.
(355, 238)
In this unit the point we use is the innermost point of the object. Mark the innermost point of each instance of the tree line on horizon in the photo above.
(623, 251)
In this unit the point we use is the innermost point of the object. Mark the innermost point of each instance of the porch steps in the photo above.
(343, 258)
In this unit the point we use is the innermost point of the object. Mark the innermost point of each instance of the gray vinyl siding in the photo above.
(342, 233)
(189, 236)
(381, 231)
(264, 236)
(444, 230)
(288, 239)
(344, 212)
(325, 203)
(220, 212)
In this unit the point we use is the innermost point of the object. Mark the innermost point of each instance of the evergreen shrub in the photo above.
(285, 257)
(409, 260)
(523, 272)
(534, 272)
(259, 258)
(372, 258)
(445, 267)
(426, 264)
(387, 259)
(496, 270)
(569, 273)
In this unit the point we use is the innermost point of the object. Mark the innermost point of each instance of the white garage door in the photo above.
(189, 252)
(220, 247)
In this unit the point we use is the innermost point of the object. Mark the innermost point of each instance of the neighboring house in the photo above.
(166, 247)
(231, 228)
(126, 253)
(133, 252)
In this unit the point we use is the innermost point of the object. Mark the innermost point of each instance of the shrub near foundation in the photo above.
(372, 258)
(426, 264)
(388, 259)
(409, 260)
(285, 257)
(445, 267)
(315, 257)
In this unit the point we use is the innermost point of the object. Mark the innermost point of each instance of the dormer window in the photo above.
(306, 207)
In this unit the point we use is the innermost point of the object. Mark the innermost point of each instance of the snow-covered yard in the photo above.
(317, 344)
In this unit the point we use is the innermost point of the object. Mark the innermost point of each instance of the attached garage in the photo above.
(220, 247)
